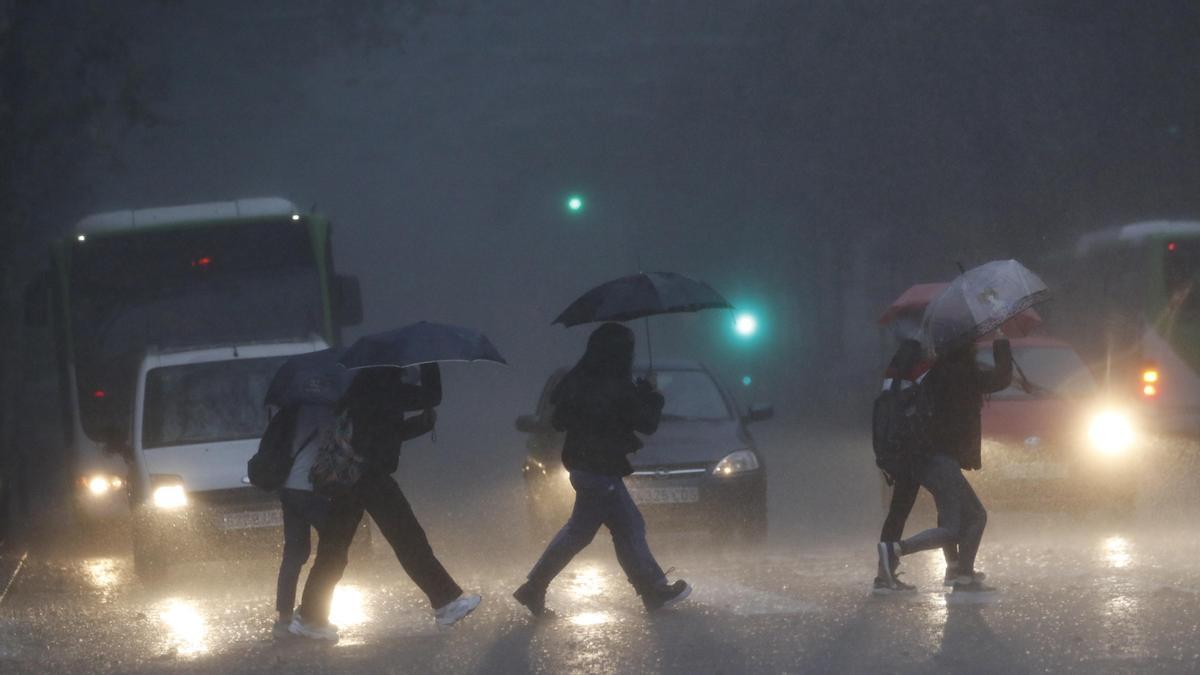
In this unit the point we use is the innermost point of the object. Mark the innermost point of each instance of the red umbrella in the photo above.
(914, 300)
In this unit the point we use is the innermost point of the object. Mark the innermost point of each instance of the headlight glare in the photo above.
(1110, 432)
(736, 462)
(170, 496)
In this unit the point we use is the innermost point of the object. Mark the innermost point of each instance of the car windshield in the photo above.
(1048, 371)
(691, 395)
(207, 402)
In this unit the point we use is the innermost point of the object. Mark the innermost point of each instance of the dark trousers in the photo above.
(381, 497)
(961, 516)
(302, 511)
(602, 500)
(904, 496)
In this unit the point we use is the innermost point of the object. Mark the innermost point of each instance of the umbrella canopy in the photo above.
(421, 342)
(315, 377)
(979, 301)
(641, 295)
(913, 301)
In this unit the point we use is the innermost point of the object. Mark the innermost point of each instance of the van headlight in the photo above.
(1111, 432)
(736, 462)
(169, 496)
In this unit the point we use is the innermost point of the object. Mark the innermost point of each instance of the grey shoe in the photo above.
(967, 584)
(887, 569)
(882, 587)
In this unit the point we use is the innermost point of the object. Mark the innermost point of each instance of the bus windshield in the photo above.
(1181, 266)
(207, 402)
(179, 287)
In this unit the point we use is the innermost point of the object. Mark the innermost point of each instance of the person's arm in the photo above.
(418, 425)
(647, 408)
(429, 391)
(995, 379)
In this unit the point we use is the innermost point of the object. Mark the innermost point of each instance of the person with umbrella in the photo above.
(601, 410)
(372, 414)
(975, 304)
(599, 407)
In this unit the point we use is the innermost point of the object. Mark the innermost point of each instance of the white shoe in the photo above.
(455, 611)
(308, 630)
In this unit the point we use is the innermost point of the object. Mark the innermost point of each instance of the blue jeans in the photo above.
(960, 515)
(302, 511)
(602, 500)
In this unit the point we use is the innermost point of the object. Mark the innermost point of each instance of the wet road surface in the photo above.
(1082, 593)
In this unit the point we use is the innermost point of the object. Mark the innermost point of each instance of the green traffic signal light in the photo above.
(574, 203)
(745, 325)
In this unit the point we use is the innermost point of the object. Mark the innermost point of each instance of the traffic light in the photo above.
(745, 325)
(575, 203)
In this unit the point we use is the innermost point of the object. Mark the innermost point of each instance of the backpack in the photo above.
(337, 467)
(269, 467)
(900, 424)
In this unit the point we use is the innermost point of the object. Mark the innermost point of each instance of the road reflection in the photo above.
(102, 573)
(1117, 552)
(186, 630)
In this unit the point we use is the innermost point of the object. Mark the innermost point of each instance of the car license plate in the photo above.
(251, 519)
(1035, 471)
(665, 495)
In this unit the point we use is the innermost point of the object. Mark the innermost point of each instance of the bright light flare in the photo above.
(348, 608)
(1111, 432)
(185, 626)
(170, 497)
(745, 325)
(98, 486)
(591, 618)
(1117, 553)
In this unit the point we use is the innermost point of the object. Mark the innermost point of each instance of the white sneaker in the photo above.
(308, 630)
(453, 612)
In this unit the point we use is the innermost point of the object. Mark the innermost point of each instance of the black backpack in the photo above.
(270, 466)
(900, 422)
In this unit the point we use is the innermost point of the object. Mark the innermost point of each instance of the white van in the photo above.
(197, 419)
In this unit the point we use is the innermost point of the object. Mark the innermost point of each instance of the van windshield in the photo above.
(207, 402)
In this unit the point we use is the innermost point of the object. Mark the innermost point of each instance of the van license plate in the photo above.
(665, 495)
(251, 519)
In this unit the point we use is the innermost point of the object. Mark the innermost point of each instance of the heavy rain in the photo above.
(686, 336)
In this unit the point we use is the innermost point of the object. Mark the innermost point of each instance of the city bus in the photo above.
(126, 282)
(1127, 297)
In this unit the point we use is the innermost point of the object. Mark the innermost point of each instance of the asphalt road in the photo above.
(1079, 592)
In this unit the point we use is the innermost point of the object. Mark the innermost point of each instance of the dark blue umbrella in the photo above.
(421, 342)
(315, 377)
(641, 295)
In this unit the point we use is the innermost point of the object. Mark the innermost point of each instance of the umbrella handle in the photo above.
(649, 347)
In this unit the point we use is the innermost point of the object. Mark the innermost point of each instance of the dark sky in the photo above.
(808, 159)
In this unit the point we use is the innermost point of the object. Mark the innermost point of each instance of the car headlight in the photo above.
(737, 462)
(171, 496)
(99, 485)
(1111, 432)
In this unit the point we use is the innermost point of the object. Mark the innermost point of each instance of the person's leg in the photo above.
(974, 520)
(394, 515)
(333, 547)
(941, 477)
(904, 495)
(593, 495)
(628, 529)
(297, 546)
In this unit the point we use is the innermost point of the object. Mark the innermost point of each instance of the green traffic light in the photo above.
(747, 381)
(745, 325)
(575, 203)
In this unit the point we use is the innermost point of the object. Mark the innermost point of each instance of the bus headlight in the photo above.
(736, 462)
(170, 496)
(99, 485)
(1110, 432)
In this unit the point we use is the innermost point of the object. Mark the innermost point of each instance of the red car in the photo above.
(1051, 438)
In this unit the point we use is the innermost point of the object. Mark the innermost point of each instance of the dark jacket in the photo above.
(377, 401)
(599, 407)
(957, 386)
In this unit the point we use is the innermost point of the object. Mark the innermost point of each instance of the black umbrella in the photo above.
(315, 377)
(421, 342)
(642, 295)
